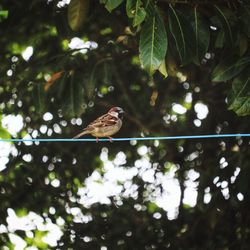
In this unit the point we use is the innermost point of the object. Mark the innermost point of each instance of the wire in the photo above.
(179, 137)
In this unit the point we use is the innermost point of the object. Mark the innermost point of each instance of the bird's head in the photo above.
(117, 112)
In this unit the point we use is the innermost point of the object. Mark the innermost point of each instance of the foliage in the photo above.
(152, 56)
(3, 14)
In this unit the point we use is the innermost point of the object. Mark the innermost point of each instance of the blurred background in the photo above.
(176, 68)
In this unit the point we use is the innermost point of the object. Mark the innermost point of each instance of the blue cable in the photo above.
(126, 139)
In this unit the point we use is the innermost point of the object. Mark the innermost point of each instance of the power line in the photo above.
(178, 137)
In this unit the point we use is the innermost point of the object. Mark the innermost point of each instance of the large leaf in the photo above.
(73, 96)
(153, 42)
(60, 86)
(239, 97)
(182, 33)
(227, 69)
(106, 72)
(245, 17)
(177, 32)
(163, 69)
(91, 82)
(77, 13)
(39, 97)
(220, 40)
(224, 17)
(101, 74)
(243, 44)
(111, 4)
(202, 36)
(136, 11)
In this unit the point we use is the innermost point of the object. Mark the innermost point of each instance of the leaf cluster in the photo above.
(203, 47)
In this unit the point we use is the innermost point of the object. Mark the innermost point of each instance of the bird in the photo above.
(105, 125)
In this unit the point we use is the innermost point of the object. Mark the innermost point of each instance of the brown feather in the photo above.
(105, 125)
(84, 132)
(104, 120)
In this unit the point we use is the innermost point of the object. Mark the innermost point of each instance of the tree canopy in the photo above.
(177, 67)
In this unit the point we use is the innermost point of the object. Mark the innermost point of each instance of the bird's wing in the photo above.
(102, 121)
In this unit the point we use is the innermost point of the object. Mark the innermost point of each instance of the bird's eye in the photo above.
(120, 115)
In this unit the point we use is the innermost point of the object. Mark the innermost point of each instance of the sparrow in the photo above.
(105, 125)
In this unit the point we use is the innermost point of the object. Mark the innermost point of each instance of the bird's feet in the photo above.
(97, 139)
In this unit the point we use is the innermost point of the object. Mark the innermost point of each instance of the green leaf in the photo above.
(202, 36)
(61, 85)
(3, 14)
(77, 13)
(21, 212)
(243, 45)
(130, 8)
(152, 207)
(182, 32)
(91, 83)
(224, 17)
(220, 40)
(153, 42)
(39, 98)
(73, 96)
(163, 69)
(245, 17)
(102, 73)
(4, 133)
(239, 96)
(111, 4)
(227, 70)
(176, 30)
(37, 240)
(106, 73)
(136, 11)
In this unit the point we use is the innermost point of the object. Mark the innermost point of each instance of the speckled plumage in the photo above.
(106, 125)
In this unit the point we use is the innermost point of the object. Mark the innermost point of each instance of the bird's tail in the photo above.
(84, 132)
